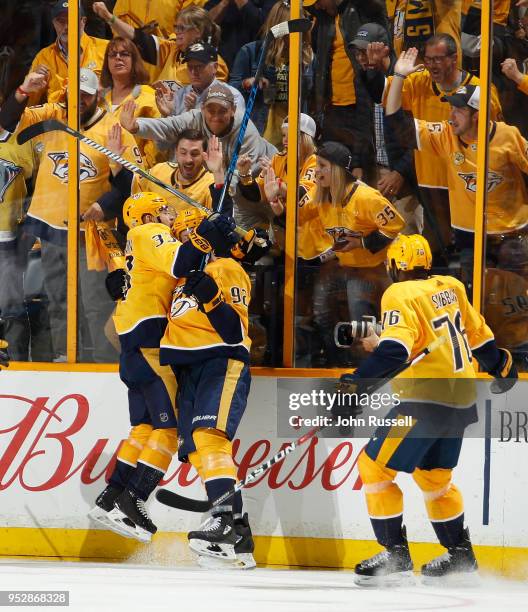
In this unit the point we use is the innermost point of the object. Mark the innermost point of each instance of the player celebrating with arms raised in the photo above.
(418, 309)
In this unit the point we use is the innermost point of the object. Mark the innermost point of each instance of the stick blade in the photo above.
(169, 498)
(37, 129)
(289, 27)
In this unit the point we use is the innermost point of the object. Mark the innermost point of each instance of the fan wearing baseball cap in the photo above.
(100, 200)
(218, 115)
(201, 60)
(456, 142)
(55, 57)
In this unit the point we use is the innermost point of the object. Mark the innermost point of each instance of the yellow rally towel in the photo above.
(102, 249)
(419, 22)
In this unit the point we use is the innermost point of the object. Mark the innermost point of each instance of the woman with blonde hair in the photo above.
(193, 24)
(361, 223)
(271, 104)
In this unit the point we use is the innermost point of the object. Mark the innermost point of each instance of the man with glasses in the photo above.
(202, 65)
(422, 95)
(55, 57)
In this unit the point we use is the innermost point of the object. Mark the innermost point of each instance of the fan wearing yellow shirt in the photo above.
(193, 24)
(417, 310)
(155, 261)
(456, 142)
(101, 198)
(207, 343)
(55, 57)
(362, 223)
(189, 173)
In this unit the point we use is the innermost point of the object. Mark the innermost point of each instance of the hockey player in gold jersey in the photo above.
(207, 343)
(155, 260)
(416, 310)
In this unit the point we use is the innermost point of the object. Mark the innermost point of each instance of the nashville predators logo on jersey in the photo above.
(60, 166)
(181, 303)
(342, 233)
(8, 173)
(470, 179)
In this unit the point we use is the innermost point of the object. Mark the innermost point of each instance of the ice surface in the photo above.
(123, 587)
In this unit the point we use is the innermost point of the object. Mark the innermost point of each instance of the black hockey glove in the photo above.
(254, 245)
(215, 233)
(346, 404)
(505, 373)
(4, 355)
(117, 284)
(204, 289)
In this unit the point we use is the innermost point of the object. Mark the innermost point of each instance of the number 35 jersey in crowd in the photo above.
(193, 336)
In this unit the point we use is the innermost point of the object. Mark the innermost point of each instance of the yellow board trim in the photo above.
(167, 548)
(234, 367)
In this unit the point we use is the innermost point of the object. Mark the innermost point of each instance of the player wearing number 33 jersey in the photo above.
(417, 310)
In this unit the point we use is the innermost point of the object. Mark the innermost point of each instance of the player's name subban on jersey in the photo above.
(416, 312)
(141, 317)
(190, 336)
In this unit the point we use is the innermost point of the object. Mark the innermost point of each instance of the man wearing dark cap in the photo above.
(202, 65)
(394, 175)
(55, 57)
(218, 115)
(342, 106)
(455, 141)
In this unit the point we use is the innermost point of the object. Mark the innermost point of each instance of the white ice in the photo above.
(119, 587)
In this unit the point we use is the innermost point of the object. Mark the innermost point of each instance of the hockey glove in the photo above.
(346, 404)
(117, 284)
(204, 290)
(505, 373)
(215, 233)
(252, 247)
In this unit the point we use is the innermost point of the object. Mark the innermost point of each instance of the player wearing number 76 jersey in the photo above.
(417, 310)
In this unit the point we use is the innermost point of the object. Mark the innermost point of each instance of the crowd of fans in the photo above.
(158, 79)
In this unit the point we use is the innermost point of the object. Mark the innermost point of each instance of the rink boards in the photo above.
(59, 432)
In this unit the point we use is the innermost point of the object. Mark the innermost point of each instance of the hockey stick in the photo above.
(169, 498)
(52, 125)
(278, 31)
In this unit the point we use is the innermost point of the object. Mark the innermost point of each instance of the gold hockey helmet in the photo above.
(142, 203)
(408, 253)
(186, 219)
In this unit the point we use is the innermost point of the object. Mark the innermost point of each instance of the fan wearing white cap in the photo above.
(456, 141)
(100, 200)
(55, 57)
(270, 185)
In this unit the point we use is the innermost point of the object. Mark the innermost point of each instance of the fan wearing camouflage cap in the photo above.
(217, 116)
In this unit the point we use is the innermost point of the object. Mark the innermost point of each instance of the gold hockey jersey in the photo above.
(167, 172)
(364, 212)
(190, 336)
(140, 318)
(16, 166)
(414, 313)
(421, 96)
(507, 207)
(48, 213)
